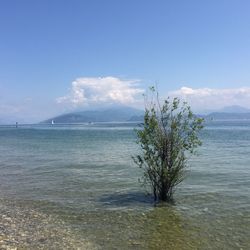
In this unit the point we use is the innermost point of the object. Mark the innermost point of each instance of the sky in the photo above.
(57, 56)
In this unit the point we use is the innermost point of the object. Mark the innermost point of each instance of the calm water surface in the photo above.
(76, 186)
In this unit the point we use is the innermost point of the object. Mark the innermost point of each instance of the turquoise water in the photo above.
(79, 181)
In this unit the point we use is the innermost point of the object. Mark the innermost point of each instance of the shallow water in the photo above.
(79, 182)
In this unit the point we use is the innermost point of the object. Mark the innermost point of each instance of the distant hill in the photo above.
(230, 113)
(234, 109)
(124, 114)
(227, 116)
(120, 114)
(136, 118)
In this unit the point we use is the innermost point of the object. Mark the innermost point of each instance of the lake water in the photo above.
(75, 186)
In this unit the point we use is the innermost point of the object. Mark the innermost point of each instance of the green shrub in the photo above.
(168, 135)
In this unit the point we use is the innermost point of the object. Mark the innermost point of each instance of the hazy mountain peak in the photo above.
(114, 114)
(235, 109)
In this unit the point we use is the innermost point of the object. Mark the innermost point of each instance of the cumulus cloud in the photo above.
(93, 90)
(208, 98)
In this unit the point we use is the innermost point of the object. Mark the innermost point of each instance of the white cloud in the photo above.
(207, 98)
(96, 90)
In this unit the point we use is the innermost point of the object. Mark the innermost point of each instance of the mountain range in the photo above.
(119, 114)
(128, 114)
(234, 109)
(229, 113)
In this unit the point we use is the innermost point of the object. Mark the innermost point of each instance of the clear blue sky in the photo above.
(46, 44)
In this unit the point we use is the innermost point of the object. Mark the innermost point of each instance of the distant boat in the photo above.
(52, 122)
(16, 124)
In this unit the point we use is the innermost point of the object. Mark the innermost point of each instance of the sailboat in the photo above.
(52, 122)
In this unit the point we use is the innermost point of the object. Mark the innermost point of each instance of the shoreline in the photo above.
(26, 228)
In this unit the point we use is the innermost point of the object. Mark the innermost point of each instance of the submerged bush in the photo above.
(169, 133)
